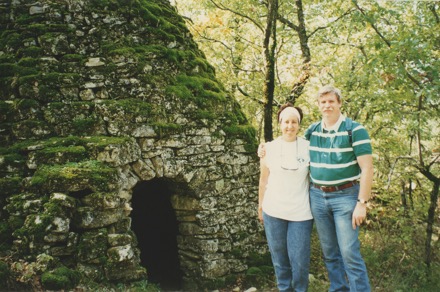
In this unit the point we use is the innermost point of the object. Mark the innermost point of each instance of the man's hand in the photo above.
(359, 215)
(261, 150)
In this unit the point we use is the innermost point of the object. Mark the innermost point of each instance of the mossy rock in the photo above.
(61, 278)
(73, 177)
(4, 273)
(10, 185)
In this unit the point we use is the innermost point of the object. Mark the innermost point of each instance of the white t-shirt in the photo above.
(287, 191)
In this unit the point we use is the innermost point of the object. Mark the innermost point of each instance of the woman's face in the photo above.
(289, 126)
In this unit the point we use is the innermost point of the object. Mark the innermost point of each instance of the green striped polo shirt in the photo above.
(332, 157)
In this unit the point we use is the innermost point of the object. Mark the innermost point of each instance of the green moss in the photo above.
(63, 154)
(5, 110)
(84, 126)
(28, 62)
(60, 279)
(28, 128)
(12, 40)
(32, 51)
(26, 104)
(246, 132)
(204, 114)
(6, 237)
(205, 92)
(4, 273)
(111, 5)
(129, 109)
(28, 79)
(39, 28)
(55, 79)
(7, 69)
(101, 142)
(73, 58)
(6, 58)
(91, 174)
(34, 227)
(164, 129)
(10, 185)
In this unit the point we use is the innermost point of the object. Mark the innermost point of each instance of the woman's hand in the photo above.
(260, 214)
(261, 150)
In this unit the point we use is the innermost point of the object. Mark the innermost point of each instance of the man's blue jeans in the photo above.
(289, 245)
(339, 241)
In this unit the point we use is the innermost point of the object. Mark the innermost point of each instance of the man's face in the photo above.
(329, 105)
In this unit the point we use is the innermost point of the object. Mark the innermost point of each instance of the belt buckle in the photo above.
(325, 188)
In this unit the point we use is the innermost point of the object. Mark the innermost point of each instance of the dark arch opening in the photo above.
(155, 225)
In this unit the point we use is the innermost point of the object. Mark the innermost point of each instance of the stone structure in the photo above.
(97, 97)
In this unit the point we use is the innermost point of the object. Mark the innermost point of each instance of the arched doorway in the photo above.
(155, 225)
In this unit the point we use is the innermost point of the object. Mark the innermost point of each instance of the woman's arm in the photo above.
(264, 175)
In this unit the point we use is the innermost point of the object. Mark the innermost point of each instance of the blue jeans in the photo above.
(289, 245)
(339, 241)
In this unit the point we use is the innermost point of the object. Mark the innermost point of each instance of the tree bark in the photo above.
(270, 43)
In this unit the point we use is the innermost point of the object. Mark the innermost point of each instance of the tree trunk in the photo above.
(304, 76)
(431, 218)
(269, 56)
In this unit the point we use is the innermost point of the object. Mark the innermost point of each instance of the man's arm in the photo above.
(360, 212)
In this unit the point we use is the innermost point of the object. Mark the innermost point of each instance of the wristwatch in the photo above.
(362, 201)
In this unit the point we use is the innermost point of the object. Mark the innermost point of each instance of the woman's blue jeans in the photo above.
(339, 241)
(289, 245)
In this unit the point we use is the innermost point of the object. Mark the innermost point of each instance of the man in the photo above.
(341, 173)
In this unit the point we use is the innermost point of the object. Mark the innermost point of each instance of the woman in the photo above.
(283, 204)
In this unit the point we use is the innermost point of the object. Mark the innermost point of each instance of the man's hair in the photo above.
(288, 104)
(330, 89)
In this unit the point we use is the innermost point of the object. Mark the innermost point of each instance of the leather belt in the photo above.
(329, 189)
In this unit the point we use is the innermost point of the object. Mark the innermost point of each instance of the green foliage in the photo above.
(60, 278)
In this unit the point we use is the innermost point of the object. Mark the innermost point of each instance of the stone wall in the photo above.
(97, 96)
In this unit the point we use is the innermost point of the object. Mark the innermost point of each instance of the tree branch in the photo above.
(224, 8)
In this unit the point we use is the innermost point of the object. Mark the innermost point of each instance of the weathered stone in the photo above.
(92, 246)
(119, 239)
(120, 253)
(89, 217)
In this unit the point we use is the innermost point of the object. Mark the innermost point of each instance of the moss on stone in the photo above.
(90, 174)
(25, 80)
(165, 129)
(7, 69)
(32, 51)
(28, 62)
(55, 155)
(73, 58)
(5, 110)
(10, 185)
(34, 227)
(28, 129)
(129, 109)
(61, 278)
(4, 273)
(55, 78)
